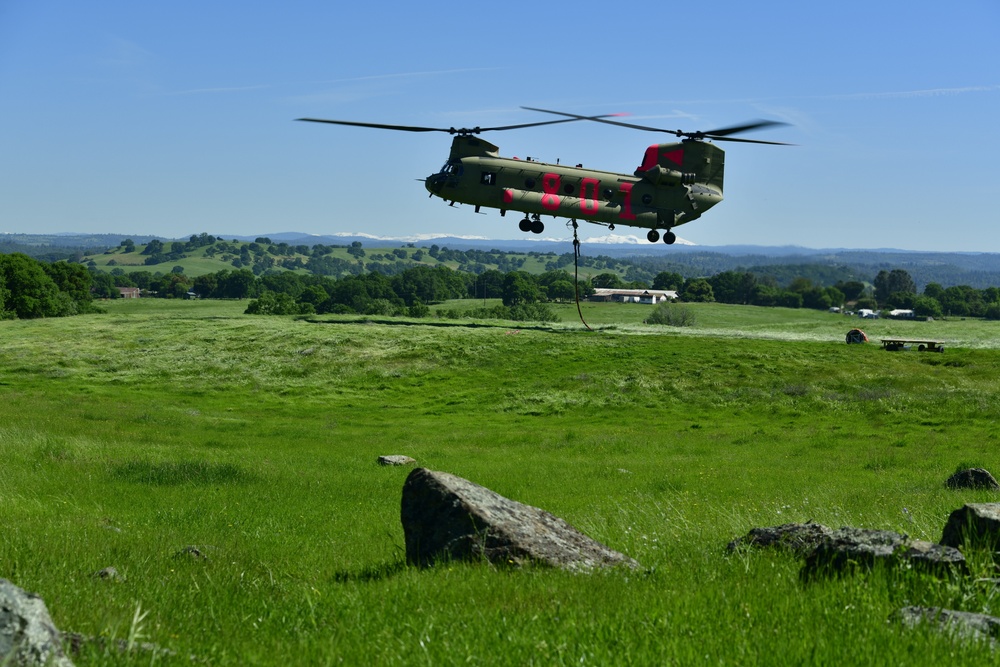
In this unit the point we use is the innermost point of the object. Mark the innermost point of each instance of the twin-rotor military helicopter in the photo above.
(675, 184)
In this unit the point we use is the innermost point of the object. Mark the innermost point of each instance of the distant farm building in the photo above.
(647, 296)
(129, 292)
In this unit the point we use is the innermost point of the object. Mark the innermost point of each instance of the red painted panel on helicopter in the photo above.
(653, 155)
(650, 159)
(675, 156)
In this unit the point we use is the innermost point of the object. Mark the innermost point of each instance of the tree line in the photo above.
(890, 290)
(32, 288)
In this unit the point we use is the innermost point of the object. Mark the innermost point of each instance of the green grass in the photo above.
(129, 436)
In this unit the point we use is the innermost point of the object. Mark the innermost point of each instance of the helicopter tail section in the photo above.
(683, 163)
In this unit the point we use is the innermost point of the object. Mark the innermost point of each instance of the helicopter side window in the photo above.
(488, 178)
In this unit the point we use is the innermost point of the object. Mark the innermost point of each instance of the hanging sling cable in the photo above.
(576, 274)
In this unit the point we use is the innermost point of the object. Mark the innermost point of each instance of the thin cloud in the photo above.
(894, 94)
(125, 54)
(395, 75)
(909, 94)
(209, 91)
(339, 96)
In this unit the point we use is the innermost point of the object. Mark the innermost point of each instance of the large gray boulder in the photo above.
(972, 478)
(797, 538)
(449, 518)
(975, 523)
(27, 634)
(847, 549)
(962, 625)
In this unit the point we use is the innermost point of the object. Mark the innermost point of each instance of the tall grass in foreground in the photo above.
(129, 437)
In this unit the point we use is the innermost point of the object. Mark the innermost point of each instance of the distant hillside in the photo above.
(205, 254)
(979, 270)
(55, 247)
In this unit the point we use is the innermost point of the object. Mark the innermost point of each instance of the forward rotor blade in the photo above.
(449, 130)
(546, 122)
(403, 128)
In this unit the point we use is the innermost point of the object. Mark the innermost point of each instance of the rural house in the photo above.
(648, 296)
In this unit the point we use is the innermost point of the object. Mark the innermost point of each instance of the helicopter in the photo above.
(675, 184)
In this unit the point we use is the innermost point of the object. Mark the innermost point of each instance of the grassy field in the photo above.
(789, 324)
(161, 425)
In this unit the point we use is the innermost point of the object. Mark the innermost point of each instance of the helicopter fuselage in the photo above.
(676, 184)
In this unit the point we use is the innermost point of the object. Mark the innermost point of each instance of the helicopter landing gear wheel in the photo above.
(537, 227)
(669, 238)
(524, 225)
(653, 236)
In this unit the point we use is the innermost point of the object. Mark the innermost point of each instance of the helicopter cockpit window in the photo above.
(452, 168)
(488, 178)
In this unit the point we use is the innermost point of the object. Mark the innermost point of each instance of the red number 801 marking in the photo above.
(589, 188)
(550, 186)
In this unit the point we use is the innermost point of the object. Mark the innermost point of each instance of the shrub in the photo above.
(418, 310)
(672, 315)
(271, 303)
(533, 312)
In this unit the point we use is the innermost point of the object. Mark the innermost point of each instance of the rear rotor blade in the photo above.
(603, 119)
(745, 141)
(739, 129)
(721, 134)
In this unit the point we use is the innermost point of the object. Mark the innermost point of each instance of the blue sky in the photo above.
(177, 118)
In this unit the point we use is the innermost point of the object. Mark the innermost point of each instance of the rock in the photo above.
(194, 553)
(849, 548)
(449, 518)
(799, 538)
(109, 573)
(76, 643)
(27, 634)
(972, 478)
(978, 523)
(396, 460)
(958, 624)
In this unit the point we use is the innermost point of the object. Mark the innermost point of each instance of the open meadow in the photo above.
(129, 436)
